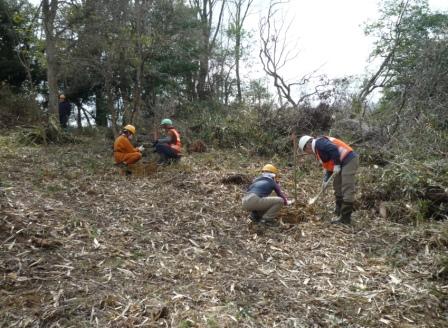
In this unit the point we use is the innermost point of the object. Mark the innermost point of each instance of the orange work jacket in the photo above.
(176, 145)
(123, 146)
(343, 150)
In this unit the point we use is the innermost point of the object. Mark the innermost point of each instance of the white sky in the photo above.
(329, 33)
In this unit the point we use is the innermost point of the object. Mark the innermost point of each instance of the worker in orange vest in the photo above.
(124, 151)
(169, 146)
(339, 159)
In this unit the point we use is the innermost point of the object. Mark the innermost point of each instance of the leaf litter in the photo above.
(82, 246)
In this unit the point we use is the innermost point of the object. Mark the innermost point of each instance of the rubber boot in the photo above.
(337, 209)
(269, 222)
(255, 216)
(126, 169)
(346, 214)
(162, 160)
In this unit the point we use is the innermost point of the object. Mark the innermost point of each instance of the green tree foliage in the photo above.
(18, 44)
(129, 56)
(10, 68)
(413, 44)
(20, 71)
(173, 58)
(406, 32)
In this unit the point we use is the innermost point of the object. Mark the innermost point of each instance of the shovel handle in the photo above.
(313, 200)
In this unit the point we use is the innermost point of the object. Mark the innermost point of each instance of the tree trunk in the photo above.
(237, 65)
(203, 73)
(78, 118)
(238, 18)
(206, 14)
(110, 100)
(101, 110)
(141, 8)
(52, 77)
(86, 115)
(49, 13)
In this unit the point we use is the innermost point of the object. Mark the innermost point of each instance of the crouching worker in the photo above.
(124, 151)
(168, 147)
(264, 208)
(339, 159)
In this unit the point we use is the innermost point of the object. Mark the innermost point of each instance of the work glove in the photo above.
(141, 148)
(326, 179)
(337, 169)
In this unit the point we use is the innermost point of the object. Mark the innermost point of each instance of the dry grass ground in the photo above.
(82, 246)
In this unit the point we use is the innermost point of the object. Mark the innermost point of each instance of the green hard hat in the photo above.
(166, 121)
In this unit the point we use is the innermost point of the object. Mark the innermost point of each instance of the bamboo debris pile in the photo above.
(197, 146)
(82, 246)
(407, 192)
(238, 179)
(42, 135)
(141, 169)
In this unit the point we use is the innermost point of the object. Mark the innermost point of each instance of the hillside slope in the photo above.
(83, 246)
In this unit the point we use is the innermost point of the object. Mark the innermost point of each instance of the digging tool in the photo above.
(296, 156)
(313, 200)
(294, 151)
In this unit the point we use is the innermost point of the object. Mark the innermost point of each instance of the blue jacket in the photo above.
(263, 187)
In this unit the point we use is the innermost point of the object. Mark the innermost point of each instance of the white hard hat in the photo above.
(303, 141)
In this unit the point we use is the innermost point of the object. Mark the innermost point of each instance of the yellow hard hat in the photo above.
(129, 128)
(270, 168)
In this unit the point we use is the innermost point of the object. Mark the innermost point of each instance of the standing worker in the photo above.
(336, 158)
(264, 208)
(169, 146)
(64, 111)
(124, 152)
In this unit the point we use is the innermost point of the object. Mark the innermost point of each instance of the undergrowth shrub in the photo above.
(262, 130)
(17, 109)
(424, 138)
(441, 267)
(414, 188)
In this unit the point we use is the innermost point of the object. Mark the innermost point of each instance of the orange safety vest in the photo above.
(343, 150)
(177, 146)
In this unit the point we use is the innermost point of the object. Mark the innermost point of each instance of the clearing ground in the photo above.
(82, 246)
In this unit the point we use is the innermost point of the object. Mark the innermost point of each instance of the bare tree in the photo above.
(275, 54)
(221, 80)
(238, 13)
(205, 9)
(382, 76)
(141, 11)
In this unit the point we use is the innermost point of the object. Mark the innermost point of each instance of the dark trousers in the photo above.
(63, 119)
(166, 152)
